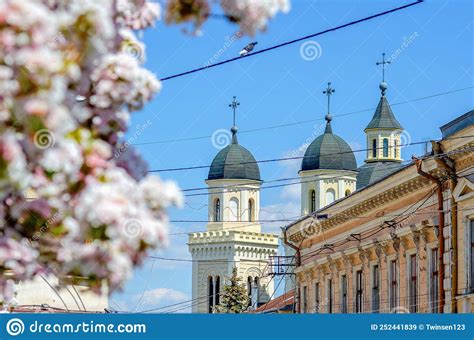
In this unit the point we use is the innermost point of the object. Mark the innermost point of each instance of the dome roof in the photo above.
(373, 172)
(234, 162)
(383, 117)
(329, 151)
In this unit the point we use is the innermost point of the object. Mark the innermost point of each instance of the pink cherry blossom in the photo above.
(74, 198)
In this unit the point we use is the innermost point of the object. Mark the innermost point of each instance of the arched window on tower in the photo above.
(348, 192)
(374, 148)
(330, 196)
(395, 148)
(249, 289)
(234, 209)
(385, 147)
(217, 210)
(312, 201)
(251, 211)
(255, 292)
(210, 294)
(218, 290)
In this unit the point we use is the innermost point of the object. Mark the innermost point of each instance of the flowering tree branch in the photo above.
(74, 201)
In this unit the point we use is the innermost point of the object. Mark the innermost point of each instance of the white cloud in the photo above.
(279, 211)
(150, 299)
(291, 192)
(158, 296)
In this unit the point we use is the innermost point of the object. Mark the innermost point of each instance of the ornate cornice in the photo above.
(365, 206)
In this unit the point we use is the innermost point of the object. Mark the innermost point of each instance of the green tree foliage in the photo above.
(234, 297)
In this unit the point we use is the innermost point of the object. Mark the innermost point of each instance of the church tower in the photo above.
(328, 173)
(328, 170)
(234, 236)
(383, 134)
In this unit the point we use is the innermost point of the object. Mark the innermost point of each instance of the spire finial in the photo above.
(234, 106)
(383, 85)
(328, 92)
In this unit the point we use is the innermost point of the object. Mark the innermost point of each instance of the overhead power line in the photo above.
(285, 184)
(340, 210)
(272, 127)
(332, 29)
(203, 261)
(405, 215)
(309, 178)
(189, 303)
(238, 186)
(298, 157)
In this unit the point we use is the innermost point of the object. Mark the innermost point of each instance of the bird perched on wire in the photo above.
(247, 49)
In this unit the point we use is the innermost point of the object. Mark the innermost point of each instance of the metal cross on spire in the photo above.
(383, 63)
(234, 105)
(383, 84)
(328, 92)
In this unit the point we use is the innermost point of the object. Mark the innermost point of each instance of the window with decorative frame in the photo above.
(210, 294)
(471, 262)
(393, 289)
(413, 284)
(312, 201)
(375, 289)
(305, 299)
(317, 297)
(359, 291)
(434, 281)
(385, 147)
(217, 210)
(344, 293)
(330, 296)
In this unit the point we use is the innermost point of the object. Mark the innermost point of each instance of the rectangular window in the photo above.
(330, 302)
(472, 255)
(434, 281)
(217, 290)
(393, 289)
(385, 147)
(413, 284)
(343, 294)
(299, 303)
(317, 297)
(359, 292)
(210, 290)
(305, 299)
(375, 289)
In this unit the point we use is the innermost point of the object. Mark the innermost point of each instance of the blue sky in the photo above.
(431, 45)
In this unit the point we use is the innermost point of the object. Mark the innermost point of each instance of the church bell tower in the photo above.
(234, 236)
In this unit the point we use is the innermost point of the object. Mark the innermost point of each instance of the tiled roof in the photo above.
(234, 162)
(329, 152)
(283, 302)
(372, 172)
(457, 124)
(383, 117)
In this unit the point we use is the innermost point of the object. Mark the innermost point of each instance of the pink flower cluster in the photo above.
(250, 15)
(70, 76)
(67, 89)
(253, 15)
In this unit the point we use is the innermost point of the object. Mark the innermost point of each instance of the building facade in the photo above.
(234, 236)
(403, 240)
